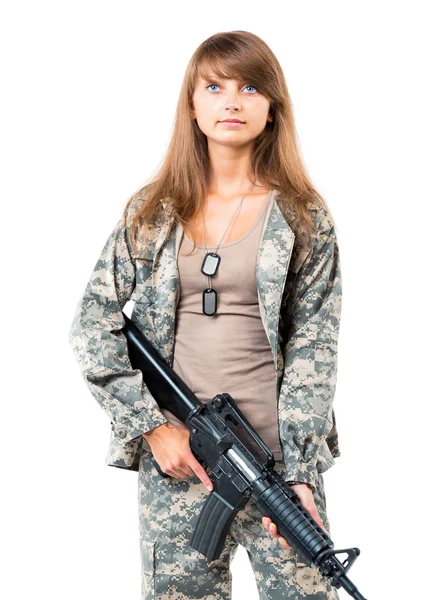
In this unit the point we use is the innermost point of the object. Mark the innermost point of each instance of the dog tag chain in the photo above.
(210, 267)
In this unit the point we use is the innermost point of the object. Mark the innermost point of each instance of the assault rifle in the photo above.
(242, 468)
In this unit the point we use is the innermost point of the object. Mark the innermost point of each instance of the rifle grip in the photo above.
(212, 527)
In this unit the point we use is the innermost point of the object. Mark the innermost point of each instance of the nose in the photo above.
(232, 106)
(232, 101)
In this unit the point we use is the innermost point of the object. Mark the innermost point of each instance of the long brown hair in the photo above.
(183, 176)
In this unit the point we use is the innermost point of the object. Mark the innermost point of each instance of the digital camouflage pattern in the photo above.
(299, 294)
(170, 568)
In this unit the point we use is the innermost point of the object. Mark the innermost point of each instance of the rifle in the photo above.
(242, 468)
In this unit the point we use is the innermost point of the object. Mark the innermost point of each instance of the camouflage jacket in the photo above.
(299, 295)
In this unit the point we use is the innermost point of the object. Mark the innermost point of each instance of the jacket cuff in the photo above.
(301, 472)
(135, 425)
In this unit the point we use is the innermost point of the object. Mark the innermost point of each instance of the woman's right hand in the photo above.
(170, 446)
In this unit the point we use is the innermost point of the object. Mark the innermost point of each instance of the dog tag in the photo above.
(210, 264)
(209, 302)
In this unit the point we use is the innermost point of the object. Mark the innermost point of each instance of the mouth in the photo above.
(232, 123)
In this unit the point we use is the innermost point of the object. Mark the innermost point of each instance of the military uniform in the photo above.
(171, 568)
(299, 292)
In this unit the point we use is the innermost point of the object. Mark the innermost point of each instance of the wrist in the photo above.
(301, 483)
(153, 432)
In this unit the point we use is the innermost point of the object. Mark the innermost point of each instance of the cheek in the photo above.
(207, 114)
(259, 121)
(205, 123)
(259, 110)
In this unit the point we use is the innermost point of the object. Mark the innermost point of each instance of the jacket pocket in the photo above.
(147, 551)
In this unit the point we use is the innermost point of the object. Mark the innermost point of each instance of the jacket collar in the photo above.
(274, 219)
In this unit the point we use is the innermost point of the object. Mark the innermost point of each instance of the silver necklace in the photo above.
(210, 266)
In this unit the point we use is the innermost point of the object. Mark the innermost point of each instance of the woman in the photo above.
(231, 258)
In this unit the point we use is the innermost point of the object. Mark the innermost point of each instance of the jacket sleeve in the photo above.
(101, 348)
(310, 353)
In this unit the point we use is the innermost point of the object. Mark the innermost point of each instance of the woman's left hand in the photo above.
(305, 496)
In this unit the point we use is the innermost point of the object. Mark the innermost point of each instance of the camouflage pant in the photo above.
(172, 570)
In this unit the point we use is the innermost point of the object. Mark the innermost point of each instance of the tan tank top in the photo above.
(227, 352)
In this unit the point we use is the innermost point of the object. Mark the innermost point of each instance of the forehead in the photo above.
(218, 71)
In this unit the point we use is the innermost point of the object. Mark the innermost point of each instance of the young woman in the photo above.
(262, 324)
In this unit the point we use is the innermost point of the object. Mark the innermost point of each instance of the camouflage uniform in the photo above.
(171, 568)
(299, 295)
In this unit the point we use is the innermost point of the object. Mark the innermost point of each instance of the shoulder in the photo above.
(145, 238)
(138, 200)
(135, 203)
(321, 217)
(316, 209)
(310, 244)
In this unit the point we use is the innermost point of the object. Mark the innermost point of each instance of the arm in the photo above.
(100, 347)
(309, 382)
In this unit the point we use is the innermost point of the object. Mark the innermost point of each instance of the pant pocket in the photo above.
(147, 554)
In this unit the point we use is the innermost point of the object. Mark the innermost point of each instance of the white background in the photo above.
(88, 101)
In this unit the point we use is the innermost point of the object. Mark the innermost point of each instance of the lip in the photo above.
(233, 124)
(231, 121)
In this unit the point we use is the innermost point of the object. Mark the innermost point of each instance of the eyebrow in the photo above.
(218, 78)
(213, 76)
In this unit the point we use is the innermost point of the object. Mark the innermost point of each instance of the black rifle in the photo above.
(242, 468)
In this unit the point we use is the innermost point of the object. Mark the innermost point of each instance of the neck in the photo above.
(229, 171)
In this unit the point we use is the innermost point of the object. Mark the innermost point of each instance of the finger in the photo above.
(185, 471)
(318, 519)
(167, 470)
(200, 473)
(321, 524)
(314, 513)
(179, 472)
(176, 473)
(270, 526)
(188, 471)
(273, 531)
(267, 523)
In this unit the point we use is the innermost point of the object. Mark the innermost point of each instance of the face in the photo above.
(216, 99)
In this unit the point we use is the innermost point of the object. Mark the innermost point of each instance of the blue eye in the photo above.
(215, 85)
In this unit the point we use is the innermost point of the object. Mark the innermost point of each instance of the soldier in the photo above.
(260, 320)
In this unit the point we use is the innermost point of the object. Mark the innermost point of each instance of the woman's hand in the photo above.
(170, 446)
(305, 496)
